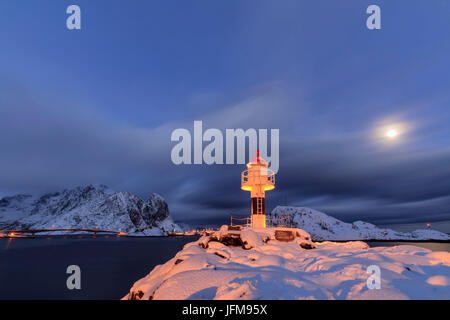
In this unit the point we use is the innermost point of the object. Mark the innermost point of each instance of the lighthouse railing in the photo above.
(279, 222)
(240, 221)
(263, 176)
(283, 222)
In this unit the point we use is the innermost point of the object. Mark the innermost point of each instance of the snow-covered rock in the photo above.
(324, 227)
(88, 207)
(249, 238)
(261, 267)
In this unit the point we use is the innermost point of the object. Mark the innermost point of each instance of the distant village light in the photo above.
(258, 179)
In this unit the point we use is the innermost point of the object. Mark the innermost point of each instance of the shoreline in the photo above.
(77, 235)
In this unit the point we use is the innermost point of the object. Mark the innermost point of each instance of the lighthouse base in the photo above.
(258, 221)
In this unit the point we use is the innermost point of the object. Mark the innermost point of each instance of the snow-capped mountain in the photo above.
(87, 207)
(324, 227)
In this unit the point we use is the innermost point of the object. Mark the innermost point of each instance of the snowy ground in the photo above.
(252, 264)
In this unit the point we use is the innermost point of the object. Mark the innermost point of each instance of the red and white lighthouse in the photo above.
(258, 179)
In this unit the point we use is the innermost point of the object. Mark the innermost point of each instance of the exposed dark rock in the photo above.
(154, 209)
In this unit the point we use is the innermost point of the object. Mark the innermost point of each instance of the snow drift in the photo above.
(253, 264)
(323, 227)
(88, 207)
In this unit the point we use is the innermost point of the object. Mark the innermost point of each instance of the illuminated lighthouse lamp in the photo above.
(258, 179)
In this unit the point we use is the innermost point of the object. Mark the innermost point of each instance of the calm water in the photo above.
(36, 268)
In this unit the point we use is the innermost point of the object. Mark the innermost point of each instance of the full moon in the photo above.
(392, 133)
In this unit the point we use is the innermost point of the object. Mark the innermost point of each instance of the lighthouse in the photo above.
(258, 179)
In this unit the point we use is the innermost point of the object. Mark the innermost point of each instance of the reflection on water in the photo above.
(36, 268)
(8, 243)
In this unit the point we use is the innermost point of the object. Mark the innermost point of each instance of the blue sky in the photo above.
(98, 105)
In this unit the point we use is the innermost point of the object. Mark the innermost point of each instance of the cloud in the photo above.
(343, 176)
(48, 145)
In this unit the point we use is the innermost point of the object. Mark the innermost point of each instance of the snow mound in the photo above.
(324, 227)
(253, 264)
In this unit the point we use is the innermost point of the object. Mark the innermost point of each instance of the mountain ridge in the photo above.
(323, 227)
(88, 206)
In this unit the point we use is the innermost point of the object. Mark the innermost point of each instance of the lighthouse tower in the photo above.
(258, 179)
